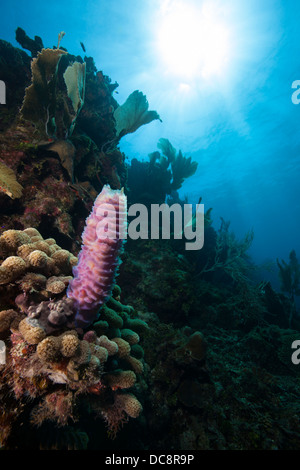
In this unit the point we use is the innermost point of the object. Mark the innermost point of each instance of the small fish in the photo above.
(83, 48)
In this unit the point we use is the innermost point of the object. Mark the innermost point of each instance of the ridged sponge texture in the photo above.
(99, 258)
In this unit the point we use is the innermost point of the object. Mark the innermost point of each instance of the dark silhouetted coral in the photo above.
(152, 181)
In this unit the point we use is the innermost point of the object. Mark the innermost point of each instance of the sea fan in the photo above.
(8, 182)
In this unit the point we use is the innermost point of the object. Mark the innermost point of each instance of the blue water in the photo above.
(241, 126)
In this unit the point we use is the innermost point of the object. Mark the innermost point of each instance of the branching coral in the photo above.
(289, 274)
(230, 255)
(182, 167)
(150, 182)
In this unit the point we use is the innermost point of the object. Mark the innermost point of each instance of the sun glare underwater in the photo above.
(121, 328)
(192, 41)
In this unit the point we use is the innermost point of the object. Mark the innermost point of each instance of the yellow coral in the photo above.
(69, 345)
(123, 347)
(42, 246)
(12, 239)
(136, 364)
(36, 238)
(130, 404)
(63, 259)
(55, 285)
(100, 352)
(11, 268)
(94, 363)
(50, 241)
(48, 349)
(121, 379)
(38, 259)
(32, 232)
(33, 282)
(83, 355)
(6, 318)
(28, 251)
(25, 250)
(111, 346)
(73, 260)
(53, 248)
(31, 331)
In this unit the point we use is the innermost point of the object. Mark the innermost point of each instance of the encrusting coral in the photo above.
(8, 182)
(49, 359)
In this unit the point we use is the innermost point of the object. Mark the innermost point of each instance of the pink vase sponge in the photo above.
(99, 258)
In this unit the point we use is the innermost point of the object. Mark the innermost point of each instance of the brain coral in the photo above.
(12, 239)
(34, 265)
(11, 268)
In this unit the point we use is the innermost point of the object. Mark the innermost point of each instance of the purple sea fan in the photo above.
(99, 258)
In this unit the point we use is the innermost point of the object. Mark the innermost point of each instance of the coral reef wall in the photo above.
(191, 350)
(58, 149)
